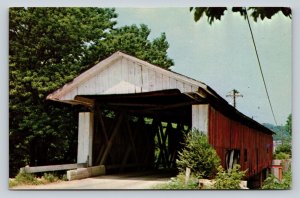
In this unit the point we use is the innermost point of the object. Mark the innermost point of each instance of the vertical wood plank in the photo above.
(187, 87)
(200, 117)
(145, 80)
(179, 85)
(131, 76)
(173, 83)
(158, 81)
(90, 86)
(138, 78)
(102, 83)
(117, 74)
(85, 137)
(124, 69)
(151, 80)
(166, 82)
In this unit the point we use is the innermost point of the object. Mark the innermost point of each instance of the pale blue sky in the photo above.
(222, 55)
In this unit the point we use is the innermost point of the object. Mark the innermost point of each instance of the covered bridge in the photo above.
(139, 113)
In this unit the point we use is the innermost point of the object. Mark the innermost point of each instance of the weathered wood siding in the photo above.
(200, 117)
(125, 76)
(85, 137)
(226, 134)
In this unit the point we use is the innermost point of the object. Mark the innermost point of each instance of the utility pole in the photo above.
(234, 94)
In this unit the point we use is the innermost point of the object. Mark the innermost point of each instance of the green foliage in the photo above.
(284, 148)
(283, 133)
(178, 183)
(280, 132)
(229, 179)
(212, 13)
(133, 40)
(23, 178)
(272, 183)
(47, 48)
(281, 156)
(64, 177)
(288, 125)
(49, 177)
(216, 13)
(198, 155)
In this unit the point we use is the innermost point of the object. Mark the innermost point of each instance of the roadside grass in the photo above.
(30, 179)
(178, 183)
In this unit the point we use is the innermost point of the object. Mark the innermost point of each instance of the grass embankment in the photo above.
(30, 179)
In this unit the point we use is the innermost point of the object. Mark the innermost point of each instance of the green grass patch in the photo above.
(31, 179)
(178, 183)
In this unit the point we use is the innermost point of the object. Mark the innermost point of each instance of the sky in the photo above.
(222, 55)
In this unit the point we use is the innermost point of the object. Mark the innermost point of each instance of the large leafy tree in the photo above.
(216, 13)
(47, 48)
(134, 41)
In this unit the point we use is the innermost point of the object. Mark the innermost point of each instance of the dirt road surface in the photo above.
(140, 180)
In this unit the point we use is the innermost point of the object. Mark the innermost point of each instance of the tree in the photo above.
(134, 41)
(288, 125)
(216, 13)
(47, 48)
(198, 155)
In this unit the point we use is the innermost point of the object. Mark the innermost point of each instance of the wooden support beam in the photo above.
(155, 126)
(85, 101)
(114, 133)
(170, 106)
(85, 137)
(132, 104)
(123, 165)
(104, 132)
(38, 169)
(131, 140)
(161, 141)
(164, 148)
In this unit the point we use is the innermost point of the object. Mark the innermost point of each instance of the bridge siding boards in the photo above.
(141, 77)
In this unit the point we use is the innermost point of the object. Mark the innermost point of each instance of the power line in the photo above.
(260, 68)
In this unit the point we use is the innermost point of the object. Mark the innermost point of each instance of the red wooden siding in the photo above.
(225, 134)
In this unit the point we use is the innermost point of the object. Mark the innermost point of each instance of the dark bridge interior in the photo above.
(141, 131)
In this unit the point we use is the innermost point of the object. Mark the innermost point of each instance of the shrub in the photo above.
(273, 183)
(229, 179)
(281, 156)
(198, 155)
(284, 148)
